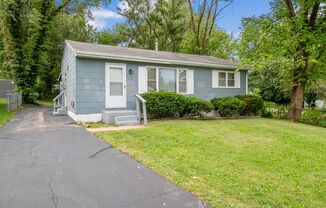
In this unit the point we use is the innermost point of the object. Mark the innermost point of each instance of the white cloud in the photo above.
(123, 5)
(105, 14)
(102, 16)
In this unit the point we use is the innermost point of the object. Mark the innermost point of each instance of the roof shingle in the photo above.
(123, 53)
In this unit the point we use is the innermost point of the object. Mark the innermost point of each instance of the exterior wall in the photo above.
(90, 84)
(68, 77)
(203, 85)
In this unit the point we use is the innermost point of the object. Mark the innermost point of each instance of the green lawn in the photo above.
(4, 116)
(235, 163)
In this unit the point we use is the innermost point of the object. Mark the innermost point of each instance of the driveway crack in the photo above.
(98, 152)
(54, 197)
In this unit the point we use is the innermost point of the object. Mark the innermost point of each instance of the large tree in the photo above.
(293, 37)
(147, 22)
(203, 21)
(25, 25)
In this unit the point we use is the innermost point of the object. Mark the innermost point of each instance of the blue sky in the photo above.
(230, 21)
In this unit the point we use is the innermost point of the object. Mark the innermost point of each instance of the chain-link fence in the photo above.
(14, 101)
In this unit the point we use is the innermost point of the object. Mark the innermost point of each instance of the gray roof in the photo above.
(149, 56)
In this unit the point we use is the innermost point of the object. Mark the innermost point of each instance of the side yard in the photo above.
(235, 163)
(4, 115)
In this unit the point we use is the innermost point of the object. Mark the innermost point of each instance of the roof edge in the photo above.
(150, 60)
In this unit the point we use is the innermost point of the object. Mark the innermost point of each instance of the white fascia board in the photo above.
(71, 48)
(151, 60)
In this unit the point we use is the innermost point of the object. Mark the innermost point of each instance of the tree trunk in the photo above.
(296, 102)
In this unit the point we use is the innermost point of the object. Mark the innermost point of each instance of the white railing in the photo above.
(58, 101)
(141, 101)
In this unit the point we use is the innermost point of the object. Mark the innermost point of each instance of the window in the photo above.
(166, 79)
(116, 81)
(222, 79)
(231, 79)
(226, 79)
(182, 81)
(151, 79)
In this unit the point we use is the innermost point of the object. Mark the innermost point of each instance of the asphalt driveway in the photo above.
(49, 161)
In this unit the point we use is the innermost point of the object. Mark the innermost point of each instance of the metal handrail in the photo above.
(58, 96)
(57, 101)
(140, 99)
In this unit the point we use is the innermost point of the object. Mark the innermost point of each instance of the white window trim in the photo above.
(215, 80)
(177, 77)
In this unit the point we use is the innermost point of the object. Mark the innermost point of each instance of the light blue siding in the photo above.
(203, 85)
(90, 84)
(68, 77)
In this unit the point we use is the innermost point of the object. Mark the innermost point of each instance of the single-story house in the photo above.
(101, 80)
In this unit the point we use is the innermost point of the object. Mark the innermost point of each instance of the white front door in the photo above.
(115, 85)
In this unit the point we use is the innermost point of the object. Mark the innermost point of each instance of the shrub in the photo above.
(164, 104)
(313, 117)
(279, 112)
(253, 104)
(230, 106)
(267, 109)
(196, 107)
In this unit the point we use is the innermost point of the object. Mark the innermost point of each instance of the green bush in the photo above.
(165, 104)
(279, 112)
(230, 106)
(267, 109)
(196, 107)
(253, 104)
(313, 117)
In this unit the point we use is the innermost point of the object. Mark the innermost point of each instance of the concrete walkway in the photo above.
(48, 161)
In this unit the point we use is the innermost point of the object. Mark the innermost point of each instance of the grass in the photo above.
(235, 163)
(4, 115)
(47, 103)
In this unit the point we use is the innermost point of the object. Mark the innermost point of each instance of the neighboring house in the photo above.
(6, 86)
(100, 80)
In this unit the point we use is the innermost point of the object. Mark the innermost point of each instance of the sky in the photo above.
(230, 21)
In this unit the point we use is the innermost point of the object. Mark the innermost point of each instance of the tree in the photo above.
(219, 45)
(114, 36)
(293, 35)
(148, 22)
(25, 25)
(203, 21)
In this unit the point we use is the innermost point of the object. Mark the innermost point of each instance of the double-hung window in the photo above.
(225, 79)
(151, 79)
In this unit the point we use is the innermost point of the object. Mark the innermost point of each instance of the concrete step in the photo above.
(109, 116)
(60, 111)
(128, 123)
(121, 119)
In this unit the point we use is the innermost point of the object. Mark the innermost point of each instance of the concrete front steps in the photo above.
(60, 111)
(120, 117)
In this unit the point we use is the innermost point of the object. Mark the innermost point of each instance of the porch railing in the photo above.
(58, 101)
(141, 101)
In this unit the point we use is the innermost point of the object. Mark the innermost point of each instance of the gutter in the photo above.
(151, 60)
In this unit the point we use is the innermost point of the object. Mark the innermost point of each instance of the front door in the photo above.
(115, 85)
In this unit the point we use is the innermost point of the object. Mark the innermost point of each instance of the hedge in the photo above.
(164, 104)
(171, 104)
(253, 104)
(313, 117)
(196, 107)
(230, 106)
